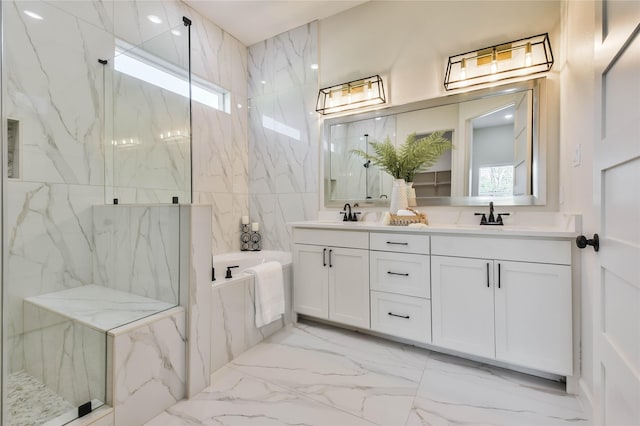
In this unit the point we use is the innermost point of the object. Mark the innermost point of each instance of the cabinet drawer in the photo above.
(402, 243)
(400, 273)
(516, 249)
(328, 237)
(401, 316)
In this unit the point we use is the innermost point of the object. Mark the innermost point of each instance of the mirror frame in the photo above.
(539, 146)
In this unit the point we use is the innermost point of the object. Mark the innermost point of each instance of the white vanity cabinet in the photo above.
(504, 298)
(331, 275)
(400, 285)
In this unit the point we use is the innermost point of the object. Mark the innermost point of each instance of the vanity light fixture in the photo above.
(516, 58)
(352, 95)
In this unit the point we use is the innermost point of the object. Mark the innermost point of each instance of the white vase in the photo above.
(398, 196)
(411, 195)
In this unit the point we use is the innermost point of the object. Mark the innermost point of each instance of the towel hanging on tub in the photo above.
(269, 292)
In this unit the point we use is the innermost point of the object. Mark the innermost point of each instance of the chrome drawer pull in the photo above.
(397, 273)
(399, 316)
(399, 244)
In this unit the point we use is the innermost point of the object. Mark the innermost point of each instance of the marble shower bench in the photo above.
(99, 307)
(94, 343)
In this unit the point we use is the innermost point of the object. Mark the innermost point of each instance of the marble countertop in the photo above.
(98, 307)
(566, 227)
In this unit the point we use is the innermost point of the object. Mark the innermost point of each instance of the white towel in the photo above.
(269, 286)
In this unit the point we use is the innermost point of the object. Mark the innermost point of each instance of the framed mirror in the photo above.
(497, 153)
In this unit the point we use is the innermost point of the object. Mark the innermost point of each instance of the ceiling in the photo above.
(255, 21)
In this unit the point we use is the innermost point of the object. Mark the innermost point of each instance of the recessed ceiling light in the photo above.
(263, 82)
(508, 116)
(239, 106)
(155, 19)
(33, 15)
(314, 66)
(176, 32)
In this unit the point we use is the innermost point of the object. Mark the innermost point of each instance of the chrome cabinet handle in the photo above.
(399, 316)
(330, 264)
(397, 273)
(398, 244)
(324, 260)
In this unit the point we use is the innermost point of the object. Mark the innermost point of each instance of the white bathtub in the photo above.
(233, 329)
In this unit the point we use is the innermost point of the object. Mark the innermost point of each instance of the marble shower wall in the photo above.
(54, 87)
(284, 133)
(137, 250)
(220, 150)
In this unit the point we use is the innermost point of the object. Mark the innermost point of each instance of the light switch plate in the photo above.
(577, 156)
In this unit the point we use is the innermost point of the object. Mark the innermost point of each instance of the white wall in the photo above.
(410, 42)
(576, 61)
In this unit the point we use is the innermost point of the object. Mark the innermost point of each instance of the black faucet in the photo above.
(228, 274)
(348, 215)
(492, 220)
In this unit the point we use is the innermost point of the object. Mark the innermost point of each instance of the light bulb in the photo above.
(369, 91)
(527, 55)
(463, 69)
(494, 62)
(349, 95)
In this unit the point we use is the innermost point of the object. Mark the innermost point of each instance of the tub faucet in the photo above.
(228, 274)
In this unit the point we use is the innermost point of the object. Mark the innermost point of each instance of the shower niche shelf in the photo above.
(13, 149)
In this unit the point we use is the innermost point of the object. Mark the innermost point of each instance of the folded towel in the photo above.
(269, 286)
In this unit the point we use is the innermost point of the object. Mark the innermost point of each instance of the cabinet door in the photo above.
(533, 315)
(310, 280)
(349, 286)
(462, 304)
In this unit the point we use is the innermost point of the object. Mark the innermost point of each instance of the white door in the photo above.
(617, 198)
(462, 304)
(310, 280)
(533, 315)
(349, 286)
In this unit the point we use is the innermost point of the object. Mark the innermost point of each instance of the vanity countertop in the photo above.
(563, 230)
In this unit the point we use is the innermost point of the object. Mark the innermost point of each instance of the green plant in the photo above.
(413, 156)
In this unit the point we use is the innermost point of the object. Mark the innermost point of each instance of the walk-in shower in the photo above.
(98, 106)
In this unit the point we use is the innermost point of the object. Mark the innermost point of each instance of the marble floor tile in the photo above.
(457, 391)
(316, 374)
(346, 370)
(236, 398)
